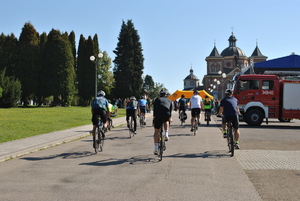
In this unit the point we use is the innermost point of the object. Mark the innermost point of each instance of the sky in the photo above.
(176, 35)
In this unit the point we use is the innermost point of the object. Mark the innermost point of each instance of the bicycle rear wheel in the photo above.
(207, 118)
(195, 126)
(96, 139)
(101, 140)
(161, 146)
(231, 141)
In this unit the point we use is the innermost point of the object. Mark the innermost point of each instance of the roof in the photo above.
(214, 53)
(288, 63)
(257, 53)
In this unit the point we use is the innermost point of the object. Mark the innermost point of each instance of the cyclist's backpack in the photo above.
(131, 104)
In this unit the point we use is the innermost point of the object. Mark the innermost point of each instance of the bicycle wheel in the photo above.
(231, 141)
(101, 140)
(207, 118)
(96, 140)
(141, 122)
(161, 145)
(195, 126)
(131, 133)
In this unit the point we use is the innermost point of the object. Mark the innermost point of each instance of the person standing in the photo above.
(162, 112)
(196, 106)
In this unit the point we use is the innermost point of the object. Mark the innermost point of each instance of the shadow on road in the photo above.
(63, 155)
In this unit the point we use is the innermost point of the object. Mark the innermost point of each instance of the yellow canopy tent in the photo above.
(188, 94)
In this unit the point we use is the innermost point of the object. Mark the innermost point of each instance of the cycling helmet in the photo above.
(228, 91)
(182, 96)
(162, 92)
(206, 96)
(101, 93)
(132, 98)
(142, 97)
(196, 92)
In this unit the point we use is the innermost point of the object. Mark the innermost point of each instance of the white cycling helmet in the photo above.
(101, 93)
(132, 98)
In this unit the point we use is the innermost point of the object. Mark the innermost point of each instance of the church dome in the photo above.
(191, 76)
(232, 49)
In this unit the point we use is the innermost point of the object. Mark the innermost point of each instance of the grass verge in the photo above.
(17, 123)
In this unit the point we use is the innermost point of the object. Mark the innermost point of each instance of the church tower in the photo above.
(191, 81)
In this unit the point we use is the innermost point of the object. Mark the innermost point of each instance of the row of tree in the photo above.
(46, 67)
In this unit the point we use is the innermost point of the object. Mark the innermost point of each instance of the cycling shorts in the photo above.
(143, 109)
(194, 111)
(158, 121)
(99, 112)
(233, 119)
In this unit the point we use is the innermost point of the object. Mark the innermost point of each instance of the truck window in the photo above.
(244, 85)
(268, 85)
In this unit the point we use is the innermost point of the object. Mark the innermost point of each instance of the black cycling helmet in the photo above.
(196, 92)
(228, 91)
(182, 96)
(162, 93)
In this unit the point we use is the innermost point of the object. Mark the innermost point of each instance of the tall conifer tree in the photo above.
(129, 62)
(27, 57)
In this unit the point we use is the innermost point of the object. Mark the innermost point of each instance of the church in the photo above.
(220, 68)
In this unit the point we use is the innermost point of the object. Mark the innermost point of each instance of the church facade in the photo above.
(222, 67)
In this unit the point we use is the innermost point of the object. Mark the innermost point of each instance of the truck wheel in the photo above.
(254, 117)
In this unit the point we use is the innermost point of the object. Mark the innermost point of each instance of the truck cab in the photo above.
(258, 97)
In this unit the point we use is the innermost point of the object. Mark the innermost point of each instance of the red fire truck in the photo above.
(268, 95)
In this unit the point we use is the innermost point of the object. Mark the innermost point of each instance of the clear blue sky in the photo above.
(175, 34)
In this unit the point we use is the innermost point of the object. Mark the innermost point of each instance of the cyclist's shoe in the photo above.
(166, 138)
(199, 124)
(155, 151)
(192, 129)
(237, 146)
(134, 132)
(127, 125)
(224, 135)
(205, 119)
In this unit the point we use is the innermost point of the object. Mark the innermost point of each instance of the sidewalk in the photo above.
(13, 149)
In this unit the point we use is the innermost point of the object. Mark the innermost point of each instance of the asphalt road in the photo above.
(193, 168)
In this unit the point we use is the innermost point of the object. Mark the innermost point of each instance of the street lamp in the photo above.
(96, 61)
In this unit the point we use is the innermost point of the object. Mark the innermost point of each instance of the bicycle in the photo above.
(207, 117)
(195, 124)
(99, 137)
(131, 130)
(182, 118)
(161, 143)
(109, 124)
(230, 136)
(142, 121)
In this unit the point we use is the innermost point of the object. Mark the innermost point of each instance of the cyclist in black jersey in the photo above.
(162, 112)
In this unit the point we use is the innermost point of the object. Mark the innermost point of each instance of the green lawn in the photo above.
(17, 123)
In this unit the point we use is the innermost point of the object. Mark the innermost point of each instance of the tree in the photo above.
(8, 45)
(85, 70)
(106, 78)
(27, 58)
(58, 72)
(148, 83)
(129, 62)
(11, 90)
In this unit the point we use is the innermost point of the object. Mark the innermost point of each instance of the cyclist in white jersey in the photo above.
(196, 106)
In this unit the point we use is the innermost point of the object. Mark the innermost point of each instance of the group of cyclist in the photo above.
(162, 112)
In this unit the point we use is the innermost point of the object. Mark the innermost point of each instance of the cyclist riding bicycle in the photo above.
(196, 106)
(142, 108)
(229, 108)
(162, 112)
(182, 105)
(208, 105)
(131, 108)
(100, 108)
